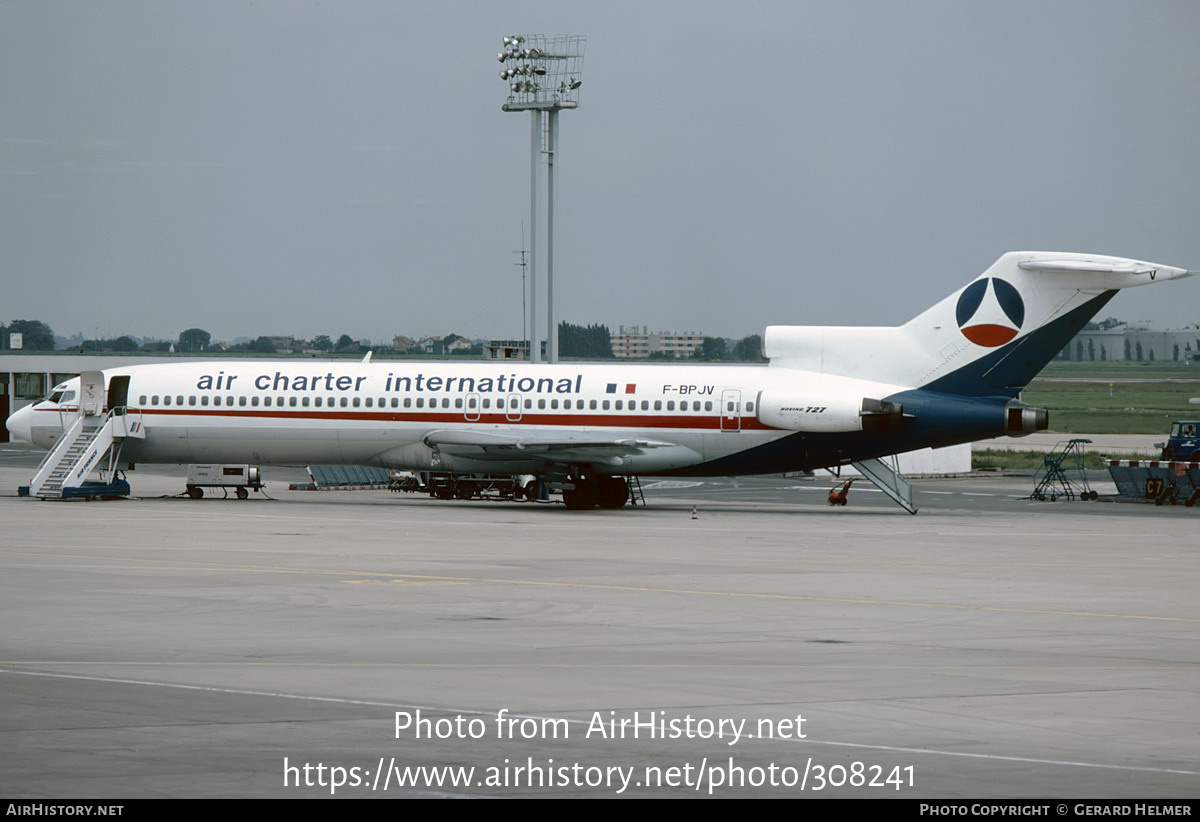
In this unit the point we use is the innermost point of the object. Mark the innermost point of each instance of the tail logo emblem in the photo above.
(990, 312)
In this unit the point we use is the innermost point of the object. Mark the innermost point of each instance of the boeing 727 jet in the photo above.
(829, 396)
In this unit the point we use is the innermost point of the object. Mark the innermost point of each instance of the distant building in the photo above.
(287, 344)
(1133, 343)
(630, 344)
(439, 345)
(506, 350)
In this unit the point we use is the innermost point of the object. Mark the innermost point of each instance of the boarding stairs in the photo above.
(888, 479)
(92, 443)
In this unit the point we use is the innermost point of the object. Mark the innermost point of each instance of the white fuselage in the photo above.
(295, 412)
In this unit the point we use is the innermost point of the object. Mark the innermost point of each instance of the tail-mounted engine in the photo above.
(805, 412)
(1021, 420)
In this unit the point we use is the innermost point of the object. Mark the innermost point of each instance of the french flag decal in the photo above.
(630, 388)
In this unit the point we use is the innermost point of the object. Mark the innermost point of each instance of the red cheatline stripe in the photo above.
(699, 422)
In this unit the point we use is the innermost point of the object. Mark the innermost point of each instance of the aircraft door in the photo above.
(91, 393)
(118, 393)
(471, 412)
(512, 408)
(731, 410)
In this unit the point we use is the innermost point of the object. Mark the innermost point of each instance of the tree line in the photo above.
(589, 342)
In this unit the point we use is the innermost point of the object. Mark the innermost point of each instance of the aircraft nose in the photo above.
(19, 425)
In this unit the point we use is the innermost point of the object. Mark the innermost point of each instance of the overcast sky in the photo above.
(344, 167)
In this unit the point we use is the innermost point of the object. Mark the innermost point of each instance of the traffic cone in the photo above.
(694, 515)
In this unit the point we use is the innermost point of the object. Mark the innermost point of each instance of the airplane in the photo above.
(828, 397)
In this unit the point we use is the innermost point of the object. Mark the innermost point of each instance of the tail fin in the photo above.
(987, 339)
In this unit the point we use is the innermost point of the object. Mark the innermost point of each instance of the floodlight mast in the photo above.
(544, 75)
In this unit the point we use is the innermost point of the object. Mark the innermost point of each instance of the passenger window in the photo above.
(317, 400)
(142, 400)
(619, 405)
(179, 399)
(458, 402)
(420, 402)
(708, 405)
(645, 405)
(357, 402)
(487, 403)
(154, 400)
(192, 400)
(553, 405)
(528, 404)
(254, 401)
(304, 401)
(370, 401)
(696, 405)
(216, 401)
(408, 402)
(395, 402)
(592, 405)
(242, 401)
(541, 403)
(749, 408)
(670, 405)
(658, 405)
(267, 402)
(292, 402)
(606, 405)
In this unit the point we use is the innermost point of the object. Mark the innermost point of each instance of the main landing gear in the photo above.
(591, 492)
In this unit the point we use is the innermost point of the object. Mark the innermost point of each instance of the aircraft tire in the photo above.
(194, 492)
(612, 492)
(242, 493)
(531, 490)
(583, 497)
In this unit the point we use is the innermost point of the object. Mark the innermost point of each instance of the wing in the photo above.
(485, 445)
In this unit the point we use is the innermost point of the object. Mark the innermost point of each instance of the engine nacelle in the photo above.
(1020, 419)
(795, 411)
